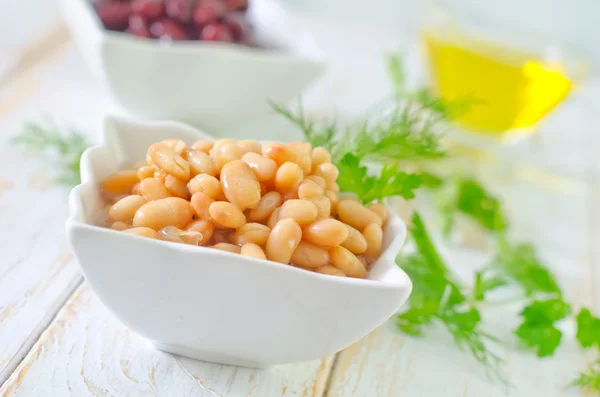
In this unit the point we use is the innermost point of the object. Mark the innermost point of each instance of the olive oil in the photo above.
(509, 90)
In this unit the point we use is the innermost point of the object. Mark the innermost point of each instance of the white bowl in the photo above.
(212, 305)
(215, 86)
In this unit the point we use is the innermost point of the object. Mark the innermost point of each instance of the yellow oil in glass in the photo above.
(510, 90)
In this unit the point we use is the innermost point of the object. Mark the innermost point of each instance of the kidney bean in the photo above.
(138, 26)
(208, 11)
(216, 32)
(168, 29)
(151, 9)
(114, 16)
(181, 10)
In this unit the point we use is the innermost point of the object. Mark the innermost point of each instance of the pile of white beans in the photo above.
(275, 202)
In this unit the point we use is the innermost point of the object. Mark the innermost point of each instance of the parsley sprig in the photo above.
(437, 296)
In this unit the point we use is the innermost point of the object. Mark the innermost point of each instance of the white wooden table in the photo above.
(56, 338)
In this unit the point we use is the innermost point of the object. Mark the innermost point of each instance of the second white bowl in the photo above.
(215, 86)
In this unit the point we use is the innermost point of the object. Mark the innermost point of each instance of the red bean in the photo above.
(181, 10)
(237, 4)
(216, 32)
(168, 29)
(138, 26)
(209, 11)
(148, 8)
(114, 16)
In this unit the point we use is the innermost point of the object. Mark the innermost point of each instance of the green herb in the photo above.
(66, 149)
(538, 328)
(520, 264)
(467, 196)
(589, 380)
(408, 129)
(318, 134)
(437, 296)
(390, 182)
(588, 329)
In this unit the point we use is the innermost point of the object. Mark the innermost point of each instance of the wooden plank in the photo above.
(99, 357)
(37, 271)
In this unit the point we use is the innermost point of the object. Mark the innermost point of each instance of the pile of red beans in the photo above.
(275, 201)
(207, 20)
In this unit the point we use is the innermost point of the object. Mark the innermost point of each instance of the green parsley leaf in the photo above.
(468, 197)
(538, 330)
(65, 149)
(391, 181)
(484, 284)
(589, 380)
(437, 297)
(520, 264)
(475, 201)
(588, 329)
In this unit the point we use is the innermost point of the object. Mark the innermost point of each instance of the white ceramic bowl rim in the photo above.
(78, 219)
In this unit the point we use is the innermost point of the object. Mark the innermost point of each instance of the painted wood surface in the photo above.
(87, 352)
